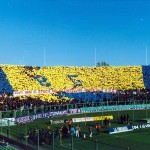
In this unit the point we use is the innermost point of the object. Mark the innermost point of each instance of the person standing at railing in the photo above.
(109, 123)
(79, 129)
(57, 133)
(60, 134)
(98, 128)
(105, 122)
(90, 131)
(76, 130)
(48, 128)
(65, 132)
(69, 124)
(127, 117)
(124, 119)
(72, 131)
(26, 135)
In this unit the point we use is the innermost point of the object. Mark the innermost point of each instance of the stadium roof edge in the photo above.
(71, 66)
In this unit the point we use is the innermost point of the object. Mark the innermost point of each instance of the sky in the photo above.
(74, 32)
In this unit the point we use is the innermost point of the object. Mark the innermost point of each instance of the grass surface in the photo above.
(136, 140)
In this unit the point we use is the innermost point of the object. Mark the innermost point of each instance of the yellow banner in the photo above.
(102, 117)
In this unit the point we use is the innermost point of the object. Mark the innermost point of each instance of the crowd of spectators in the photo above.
(128, 81)
(121, 97)
(14, 103)
(47, 134)
(63, 78)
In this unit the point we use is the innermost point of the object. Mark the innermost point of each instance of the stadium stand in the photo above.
(4, 83)
(62, 79)
(146, 76)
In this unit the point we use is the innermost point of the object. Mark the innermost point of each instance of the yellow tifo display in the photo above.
(64, 78)
(27, 78)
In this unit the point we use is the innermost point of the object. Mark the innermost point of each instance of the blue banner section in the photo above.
(140, 126)
(120, 129)
(4, 82)
(128, 128)
(39, 116)
(114, 107)
(146, 76)
(88, 96)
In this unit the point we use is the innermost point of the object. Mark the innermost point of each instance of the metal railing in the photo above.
(52, 108)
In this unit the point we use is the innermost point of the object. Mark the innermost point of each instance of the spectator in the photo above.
(105, 122)
(65, 132)
(57, 133)
(98, 128)
(127, 117)
(121, 119)
(72, 131)
(69, 124)
(109, 123)
(77, 130)
(90, 131)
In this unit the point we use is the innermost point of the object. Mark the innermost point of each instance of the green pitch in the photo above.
(135, 140)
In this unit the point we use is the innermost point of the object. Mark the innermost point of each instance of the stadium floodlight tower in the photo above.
(44, 57)
(146, 56)
(95, 57)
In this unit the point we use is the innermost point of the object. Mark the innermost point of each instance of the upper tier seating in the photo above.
(19, 78)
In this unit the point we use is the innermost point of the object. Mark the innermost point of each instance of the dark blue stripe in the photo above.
(146, 76)
(5, 85)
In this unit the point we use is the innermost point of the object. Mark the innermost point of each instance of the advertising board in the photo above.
(7, 122)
